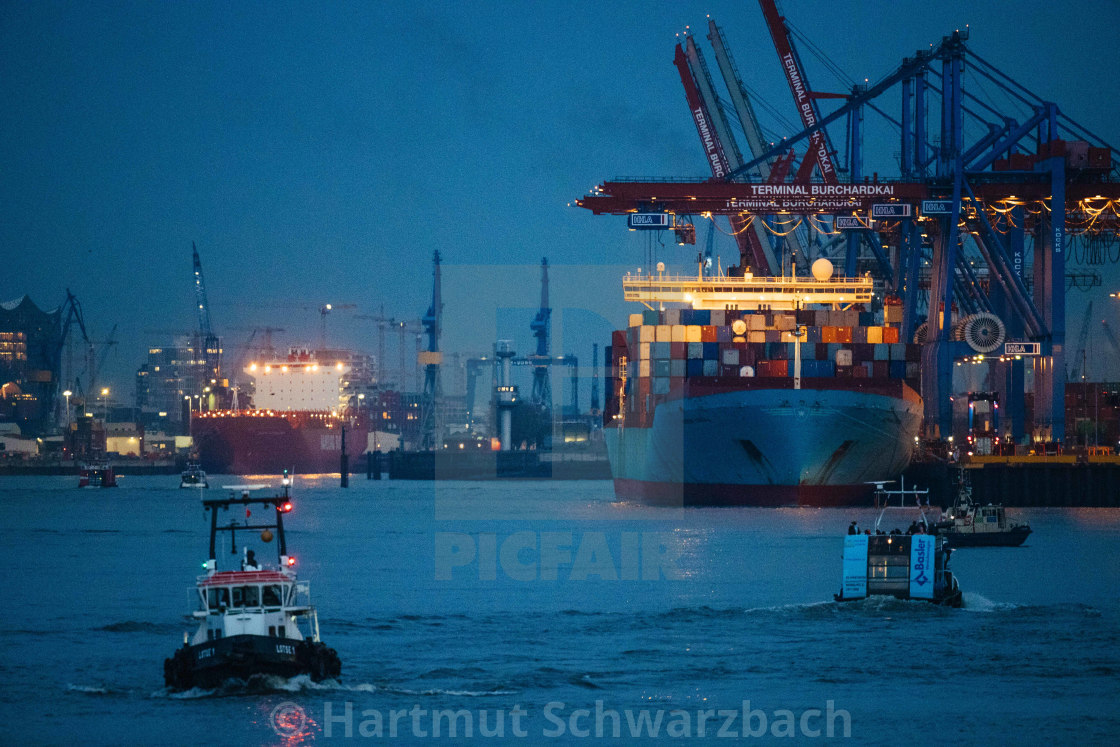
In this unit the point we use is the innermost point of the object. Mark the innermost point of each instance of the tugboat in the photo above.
(968, 524)
(906, 566)
(97, 473)
(193, 476)
(256, 619)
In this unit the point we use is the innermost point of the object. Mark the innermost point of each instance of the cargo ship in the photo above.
(768, 391)
(299, 422)
(261, 442)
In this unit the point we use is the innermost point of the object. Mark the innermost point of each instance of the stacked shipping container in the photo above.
(661, 352)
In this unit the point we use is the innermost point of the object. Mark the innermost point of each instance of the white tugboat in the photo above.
(256, 619)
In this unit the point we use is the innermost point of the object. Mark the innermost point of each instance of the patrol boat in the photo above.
(905, 566)
(255, 619)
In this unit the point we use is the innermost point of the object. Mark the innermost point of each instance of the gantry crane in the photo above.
(985, 201)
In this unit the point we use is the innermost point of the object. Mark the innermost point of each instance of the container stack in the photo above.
(661, 352)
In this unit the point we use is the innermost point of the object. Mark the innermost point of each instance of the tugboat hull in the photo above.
(1011, 538)
(210, 664)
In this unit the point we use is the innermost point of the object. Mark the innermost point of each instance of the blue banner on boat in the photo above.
(855, 566)
(921, 566)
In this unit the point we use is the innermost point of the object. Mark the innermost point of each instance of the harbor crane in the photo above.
(209, 344)
(975, 211)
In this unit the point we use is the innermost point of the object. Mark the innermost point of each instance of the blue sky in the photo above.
(320, 152)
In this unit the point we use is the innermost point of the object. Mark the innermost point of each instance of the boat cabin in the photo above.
(256, 602)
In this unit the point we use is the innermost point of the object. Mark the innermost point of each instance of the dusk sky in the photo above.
(321, 152)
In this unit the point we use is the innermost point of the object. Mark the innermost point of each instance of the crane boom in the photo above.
(752, 251)
(747, 119)
(211, 346)
(819, 147)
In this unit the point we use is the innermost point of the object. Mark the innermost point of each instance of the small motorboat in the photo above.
(255, 618)
(969, 524)
(906, 566)
(97, 473)
(193, 476)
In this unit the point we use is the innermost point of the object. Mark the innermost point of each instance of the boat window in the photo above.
(271, 596)
(271, 631)
(218, 597)
(246, 596)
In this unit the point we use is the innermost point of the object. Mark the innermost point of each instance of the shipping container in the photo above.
(692, 334)
(651, 317)
(664, 333)
(672, 317)
(711, 367)
(660, 350)
(677, 367)
(890, 334)
(635, 320)
(711, 351)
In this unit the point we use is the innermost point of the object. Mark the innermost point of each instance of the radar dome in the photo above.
(822, 269)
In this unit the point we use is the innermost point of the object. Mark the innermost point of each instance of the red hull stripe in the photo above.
(723, 494)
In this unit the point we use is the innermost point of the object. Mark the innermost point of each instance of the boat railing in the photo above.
(884, 499)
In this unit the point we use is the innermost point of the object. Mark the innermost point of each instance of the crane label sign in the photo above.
(937, 207)
(1022, 348)
(890, 210)
(848, 222)
(648, 221)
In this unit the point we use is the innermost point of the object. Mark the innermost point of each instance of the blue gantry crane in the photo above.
(968, 235)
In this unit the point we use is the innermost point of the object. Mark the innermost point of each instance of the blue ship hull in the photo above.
(767, 445)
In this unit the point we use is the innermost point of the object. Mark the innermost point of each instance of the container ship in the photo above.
(769, 391)
(297, 423)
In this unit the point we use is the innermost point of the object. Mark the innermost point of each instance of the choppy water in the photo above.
(546, 598)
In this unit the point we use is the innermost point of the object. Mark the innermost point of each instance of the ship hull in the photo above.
(240, 657)
(767, 445)
(251, 444)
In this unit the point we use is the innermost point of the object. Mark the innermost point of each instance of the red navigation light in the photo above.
(284, 507)
(291, 560)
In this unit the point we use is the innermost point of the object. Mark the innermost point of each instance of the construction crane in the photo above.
(1080, 353)
(1112, 342)
(210, 345)
(323, 311)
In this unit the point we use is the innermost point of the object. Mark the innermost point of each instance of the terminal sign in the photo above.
(848, 222)
(890, 210)
(937, 207)
(1022, 348)
(649, 221)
